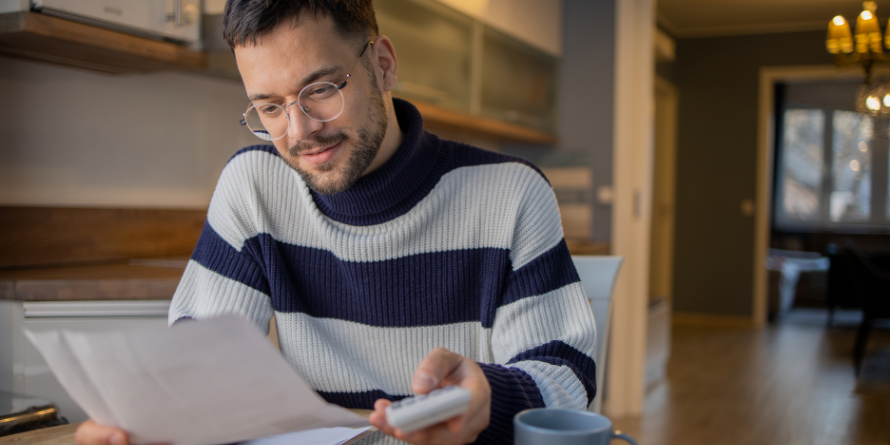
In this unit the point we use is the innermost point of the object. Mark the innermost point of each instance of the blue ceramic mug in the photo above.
(564, 427)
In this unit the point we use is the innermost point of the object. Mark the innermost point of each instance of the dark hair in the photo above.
(246, 20)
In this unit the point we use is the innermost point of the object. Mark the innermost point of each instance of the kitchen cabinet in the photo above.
(34, 36)
(434, 45)
(22, 368)
(455, 62)
(170, 20)
(462, 74)
(84, 269)
(518, 82)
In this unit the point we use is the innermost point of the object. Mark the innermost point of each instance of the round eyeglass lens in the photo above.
(267, 121)
(321, 101)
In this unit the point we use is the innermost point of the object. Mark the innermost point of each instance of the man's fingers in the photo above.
(91, 433)
(433, 369)
(456, 424)
(440, 367)
(378, 417)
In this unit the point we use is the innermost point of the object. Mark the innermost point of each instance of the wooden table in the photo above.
(57, 435)
(64, 435)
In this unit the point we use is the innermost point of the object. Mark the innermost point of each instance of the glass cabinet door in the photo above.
(518, 82)
(434, 46)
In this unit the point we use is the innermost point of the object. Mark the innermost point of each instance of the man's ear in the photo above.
(387, 65)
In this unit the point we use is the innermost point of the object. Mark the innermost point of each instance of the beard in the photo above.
(363, 147)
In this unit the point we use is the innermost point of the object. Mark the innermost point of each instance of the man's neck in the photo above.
(391, 140)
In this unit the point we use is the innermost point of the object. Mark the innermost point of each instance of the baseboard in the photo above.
(703, 319)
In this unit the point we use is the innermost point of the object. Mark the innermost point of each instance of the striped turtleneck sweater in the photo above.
(445, 245)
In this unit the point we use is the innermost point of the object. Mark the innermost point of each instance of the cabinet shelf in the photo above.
(497, 129)
(36, 36)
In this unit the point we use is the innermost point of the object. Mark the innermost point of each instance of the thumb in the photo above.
(433, 369)
(91, 433)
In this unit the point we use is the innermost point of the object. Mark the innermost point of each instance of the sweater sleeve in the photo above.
(544, 335)
(225, 274)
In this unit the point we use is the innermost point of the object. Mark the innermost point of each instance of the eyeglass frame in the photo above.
(339, 87)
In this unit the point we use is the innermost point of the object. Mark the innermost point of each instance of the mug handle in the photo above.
(619, 435)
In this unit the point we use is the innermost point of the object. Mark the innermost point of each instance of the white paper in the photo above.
(320, 436)
(197, 383)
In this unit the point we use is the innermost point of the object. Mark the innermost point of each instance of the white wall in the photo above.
(76, 138)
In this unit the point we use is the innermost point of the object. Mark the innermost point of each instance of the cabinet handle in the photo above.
(176, 17)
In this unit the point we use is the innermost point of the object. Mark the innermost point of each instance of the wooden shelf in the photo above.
(500, 130)
(35, 36)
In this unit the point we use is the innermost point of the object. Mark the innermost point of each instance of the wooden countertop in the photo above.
(135, 279)
(57, 435)
(584, 247)
(130, 280)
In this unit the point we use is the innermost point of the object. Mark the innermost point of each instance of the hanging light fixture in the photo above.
(873, 99)
(864, 48)
(869, 44)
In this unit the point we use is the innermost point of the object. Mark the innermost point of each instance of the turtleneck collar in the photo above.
(397, 185)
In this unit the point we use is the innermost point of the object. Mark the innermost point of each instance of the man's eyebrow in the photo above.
(258, 96)
(312, 77)
(319, 73)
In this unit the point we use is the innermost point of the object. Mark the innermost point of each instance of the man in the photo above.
(394, 262)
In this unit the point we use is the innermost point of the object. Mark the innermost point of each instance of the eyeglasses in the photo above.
(319, 101)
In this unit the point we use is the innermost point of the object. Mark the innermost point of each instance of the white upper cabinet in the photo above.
(536, 22)
(176, 20)
(452, 57)
(434, 45)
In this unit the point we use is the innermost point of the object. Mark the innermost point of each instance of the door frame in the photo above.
(634, 128)
(769, 77)
(665, 145)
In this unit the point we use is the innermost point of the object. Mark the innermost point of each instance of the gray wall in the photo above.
(716, 162)
(586, 94)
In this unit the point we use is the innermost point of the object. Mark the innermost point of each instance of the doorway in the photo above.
(770, 77)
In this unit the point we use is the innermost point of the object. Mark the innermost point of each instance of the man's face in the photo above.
(330, 156)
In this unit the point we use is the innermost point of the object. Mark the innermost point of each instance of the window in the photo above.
(802, 166)
(830, 160)
(851, 172)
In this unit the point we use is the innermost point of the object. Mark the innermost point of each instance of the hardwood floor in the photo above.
(788, 384)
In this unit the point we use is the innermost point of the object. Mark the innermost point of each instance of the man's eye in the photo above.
(321, 91)
(270, 110)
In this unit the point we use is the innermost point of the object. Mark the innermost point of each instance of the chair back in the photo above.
(870, 283)
(840, 279)
(598, 274)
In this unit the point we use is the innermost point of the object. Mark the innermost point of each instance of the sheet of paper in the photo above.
(206, 382)
(319, 436)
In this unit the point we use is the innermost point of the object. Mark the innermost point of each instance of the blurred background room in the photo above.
(735, 153)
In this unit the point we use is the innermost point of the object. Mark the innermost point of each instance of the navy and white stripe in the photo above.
(444, 245)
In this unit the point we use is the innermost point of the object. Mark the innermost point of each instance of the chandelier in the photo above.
(865, 48)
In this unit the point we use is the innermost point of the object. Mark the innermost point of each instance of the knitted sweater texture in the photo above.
(445, 245)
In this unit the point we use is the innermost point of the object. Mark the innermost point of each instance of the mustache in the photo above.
(316, 143)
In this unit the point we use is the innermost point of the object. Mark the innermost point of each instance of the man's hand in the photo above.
(440, 368)
(91, 433)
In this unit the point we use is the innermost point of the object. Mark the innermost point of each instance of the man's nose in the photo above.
(301, 127)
